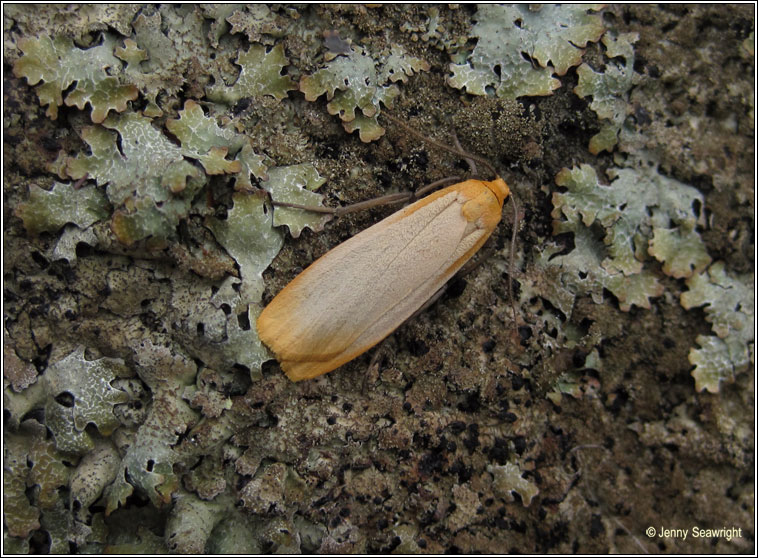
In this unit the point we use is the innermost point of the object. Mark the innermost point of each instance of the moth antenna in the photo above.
(440, 145)
(469, 160)
(512, 260)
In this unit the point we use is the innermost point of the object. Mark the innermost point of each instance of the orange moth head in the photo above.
(499, 188)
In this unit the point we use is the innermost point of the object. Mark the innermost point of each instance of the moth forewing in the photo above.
(358, 293)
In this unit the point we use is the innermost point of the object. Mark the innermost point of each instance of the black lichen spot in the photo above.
(394, 543)
(463, 472)
(517, 382)
(488, 346)
(432, 462)
(519, 444)
(621, 397)
(507, 416)
(471, 404)
(40, 260)
(471, 441)
(418, 348)
(596, 526)
(241, 106)
(457, 426)
(499, 451)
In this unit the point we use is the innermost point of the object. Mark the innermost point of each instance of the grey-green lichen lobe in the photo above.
(443, 444)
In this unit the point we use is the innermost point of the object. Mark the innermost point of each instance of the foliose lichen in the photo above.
(631, 209)
(49, 210)
(260, 74)
(729, 305)
(174, 426)
(58, 64)
(609, 89)
(355, 80)
(508, 37)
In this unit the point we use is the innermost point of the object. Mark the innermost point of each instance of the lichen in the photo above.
(49, 210)
(89, 384)
(256, 21)
(609, 89)
(248, 235)
(146, 177)
(20, 516)
(553, 36)
(471, 421)
(173, 40)
(630, 209)
(95, 471)
(622, 212)
(729, 304)
(58, 63)
(509, 478)
(295, 184)
(357, 81)
(76, 392)
(202, 139)
(260, 74)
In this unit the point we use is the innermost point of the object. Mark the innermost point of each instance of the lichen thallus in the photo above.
(359, 292)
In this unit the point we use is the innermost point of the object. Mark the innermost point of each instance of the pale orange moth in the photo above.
(358, 293)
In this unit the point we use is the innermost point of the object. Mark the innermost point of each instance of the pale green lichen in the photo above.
(609, 89)
(260, 74)
(252, 165)
(255, 21)
(95, 471)
(576, 382)
(74, 392)
(192, 521)
(49, 210)
(202, 139)
(225, 315)
(173, 40)
(146, 176)
(552, 35)
(70, 238)
(20, 517)
(509, 478)
(629, 209)
(58, 63)
(433, 31)
(131, 54)
(248, 235)
(296, 184)
(681, 250)
(89, 382)
(356, 81)
(150, 457)
(729, 304)
(635, 213)
(242, 345)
